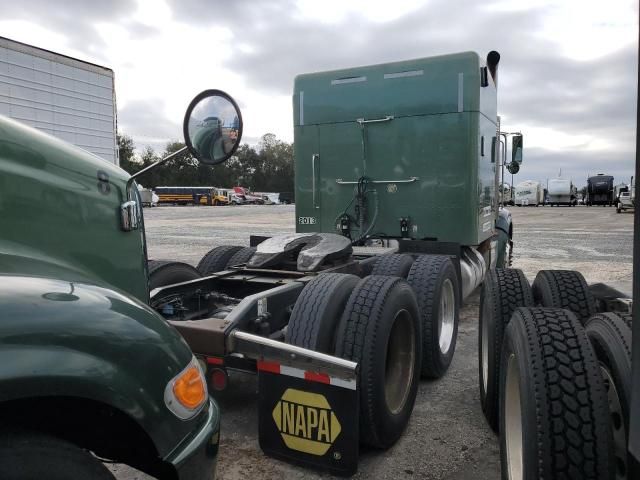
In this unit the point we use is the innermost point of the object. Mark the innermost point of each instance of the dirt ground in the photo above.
(447, 437)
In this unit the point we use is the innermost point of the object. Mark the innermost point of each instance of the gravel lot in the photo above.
(447, 437)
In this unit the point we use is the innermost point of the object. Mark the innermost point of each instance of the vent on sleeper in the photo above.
(408, 73)
(340, 81)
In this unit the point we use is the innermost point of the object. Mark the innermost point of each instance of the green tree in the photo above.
(126, 153)
(269, 167)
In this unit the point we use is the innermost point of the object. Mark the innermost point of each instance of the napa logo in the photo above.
(306, 422)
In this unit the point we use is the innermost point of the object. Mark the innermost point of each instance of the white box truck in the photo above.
(62, 96)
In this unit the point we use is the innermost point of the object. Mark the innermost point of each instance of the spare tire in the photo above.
(380, 330)
(564, 289)
(554, 418)
(166, 272)
(318, 310)
(435, 282)
(216, 259)
(393, 265)
(503, 291)
(610, 337)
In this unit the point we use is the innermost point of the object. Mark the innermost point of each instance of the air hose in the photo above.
(361, 211)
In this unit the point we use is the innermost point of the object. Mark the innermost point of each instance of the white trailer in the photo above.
(561, 192)
(529, 192)
(62, 96)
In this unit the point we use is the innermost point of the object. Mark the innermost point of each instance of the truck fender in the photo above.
(72, 339)
(504, 231)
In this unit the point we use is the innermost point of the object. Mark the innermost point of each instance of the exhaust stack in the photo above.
(493, 58)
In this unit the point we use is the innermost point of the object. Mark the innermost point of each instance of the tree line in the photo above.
(268, 167)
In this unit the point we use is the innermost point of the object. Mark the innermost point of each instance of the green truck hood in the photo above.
(60, 213)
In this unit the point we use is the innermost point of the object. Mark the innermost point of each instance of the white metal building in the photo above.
(62, 96)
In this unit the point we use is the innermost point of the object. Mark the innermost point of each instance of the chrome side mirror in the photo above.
(212, 127)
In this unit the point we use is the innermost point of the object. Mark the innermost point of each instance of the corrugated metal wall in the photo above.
(62, 96)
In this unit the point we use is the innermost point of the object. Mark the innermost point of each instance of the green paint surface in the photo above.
(442, 132)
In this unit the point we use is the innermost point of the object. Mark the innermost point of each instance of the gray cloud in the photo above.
(146, 122)
(76, 20)
(539, 87)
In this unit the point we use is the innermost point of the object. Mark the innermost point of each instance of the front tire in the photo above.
(32, 456)
(380, 330)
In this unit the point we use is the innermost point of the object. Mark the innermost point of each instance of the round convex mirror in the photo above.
(212, 127)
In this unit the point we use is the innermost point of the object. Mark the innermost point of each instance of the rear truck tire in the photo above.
(503, 291)
(165, 272)
(554, 418)
(435, 283)
(241, 256)
(393, 265)
(610, 338)
(564, 289)
(216, 259)
(29, 455)
(380, 330)
(317, 311)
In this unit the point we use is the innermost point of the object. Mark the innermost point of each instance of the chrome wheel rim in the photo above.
(446, 317)
(484, 338)
(400, 361)
(513, 420)
(507, 254)
(617, 424)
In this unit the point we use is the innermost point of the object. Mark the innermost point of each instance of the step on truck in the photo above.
(397, 222)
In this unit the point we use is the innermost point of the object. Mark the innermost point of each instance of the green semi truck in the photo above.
(397, 222)
(85, 364)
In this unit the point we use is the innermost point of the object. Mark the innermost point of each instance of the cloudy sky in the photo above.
(568, 70)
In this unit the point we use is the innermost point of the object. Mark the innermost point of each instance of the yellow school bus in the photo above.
(190, 195)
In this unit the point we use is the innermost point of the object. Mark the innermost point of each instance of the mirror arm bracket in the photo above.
(152, 166)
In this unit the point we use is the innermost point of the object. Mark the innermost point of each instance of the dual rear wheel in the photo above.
(560, 377)
(395, 329)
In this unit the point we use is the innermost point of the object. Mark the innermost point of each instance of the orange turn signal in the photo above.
(189, 388)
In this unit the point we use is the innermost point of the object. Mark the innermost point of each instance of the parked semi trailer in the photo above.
(561, 191)
(600, 190)
(59, 95)
(369, 269)
(528, 193)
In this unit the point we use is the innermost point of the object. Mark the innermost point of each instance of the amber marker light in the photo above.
(186, 393)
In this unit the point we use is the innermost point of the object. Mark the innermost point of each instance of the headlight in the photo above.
(186, 393)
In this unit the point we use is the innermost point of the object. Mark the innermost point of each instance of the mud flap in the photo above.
(308, 418)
